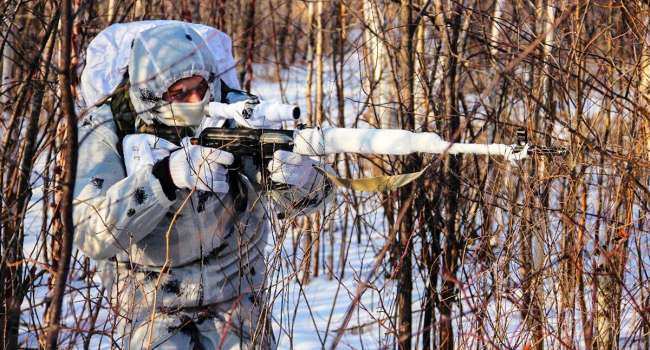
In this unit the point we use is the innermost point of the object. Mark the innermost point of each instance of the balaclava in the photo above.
(161, 56)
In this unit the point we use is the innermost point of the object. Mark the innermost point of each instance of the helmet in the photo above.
(161, 56)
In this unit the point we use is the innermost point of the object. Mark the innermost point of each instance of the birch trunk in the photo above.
(421, 87)
(139, 10)
(318, 15)
(307, 227)
(376, 61)
(7, 66)
(644, 81)
(111, 11)
(495, 28)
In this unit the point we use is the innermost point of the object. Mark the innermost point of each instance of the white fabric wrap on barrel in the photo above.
(319, 142)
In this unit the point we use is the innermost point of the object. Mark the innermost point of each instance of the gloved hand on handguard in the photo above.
(294, 169)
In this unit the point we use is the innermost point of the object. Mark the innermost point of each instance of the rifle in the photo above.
(259, 144)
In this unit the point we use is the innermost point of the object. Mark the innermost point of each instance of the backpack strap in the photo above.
(122, 109)
(173, 134)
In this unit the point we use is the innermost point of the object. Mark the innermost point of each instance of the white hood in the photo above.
(107, 57)
(161, 56)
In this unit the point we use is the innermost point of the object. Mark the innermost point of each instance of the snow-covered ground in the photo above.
(304, 316)
(309, 316)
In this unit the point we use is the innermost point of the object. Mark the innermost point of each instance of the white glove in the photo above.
(209, 122)
(240, 111)
(293, 169)
(142, 150)
(310, 189)
(200, 166)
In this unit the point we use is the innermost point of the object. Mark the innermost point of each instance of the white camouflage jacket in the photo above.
(193, 251)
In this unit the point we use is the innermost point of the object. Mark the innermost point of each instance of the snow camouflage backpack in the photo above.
(104, 79)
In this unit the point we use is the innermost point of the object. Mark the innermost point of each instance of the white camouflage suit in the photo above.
(184, 273)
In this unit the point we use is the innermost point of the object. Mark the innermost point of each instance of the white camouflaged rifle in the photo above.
(258, 139)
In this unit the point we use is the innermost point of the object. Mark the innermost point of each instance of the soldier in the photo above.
(177, 237)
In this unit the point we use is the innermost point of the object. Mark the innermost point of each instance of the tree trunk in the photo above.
(19, 147)
(338, 58)
(376, 61)
(283, 34)
(644, 81)
(69, 157)
(316, 220)
(407, 116)
(140, 10)
(246, 76)
(219, 14)
(9, 323)
(308, 247)
(111, 11)
(496, 27)
(310, 64)
(8, 64)
(450, 35)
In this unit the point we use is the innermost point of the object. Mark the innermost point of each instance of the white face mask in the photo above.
(183, 114)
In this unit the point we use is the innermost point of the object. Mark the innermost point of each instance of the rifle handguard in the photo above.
(258, 145)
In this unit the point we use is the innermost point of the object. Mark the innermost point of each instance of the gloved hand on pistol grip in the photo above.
(199, 166)
(294, 169)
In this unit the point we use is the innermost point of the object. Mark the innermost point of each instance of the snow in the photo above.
(304, 316)
(314, 312)
(309, 316)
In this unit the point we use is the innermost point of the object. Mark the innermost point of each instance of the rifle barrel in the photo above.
(318, 142)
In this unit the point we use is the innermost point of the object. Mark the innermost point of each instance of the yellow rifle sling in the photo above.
(374, 184)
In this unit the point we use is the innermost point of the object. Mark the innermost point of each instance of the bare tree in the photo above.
(477, 253)
(68, 166)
